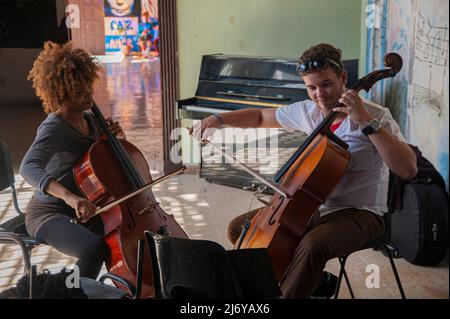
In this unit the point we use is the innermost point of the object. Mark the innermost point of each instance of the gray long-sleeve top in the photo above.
(56, 148)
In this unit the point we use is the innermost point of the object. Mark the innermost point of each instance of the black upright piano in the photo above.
(230, 82)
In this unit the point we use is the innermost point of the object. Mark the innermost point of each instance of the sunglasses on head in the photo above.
(316, 65)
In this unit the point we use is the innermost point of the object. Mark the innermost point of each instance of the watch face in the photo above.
(375, 125)
(372, 127)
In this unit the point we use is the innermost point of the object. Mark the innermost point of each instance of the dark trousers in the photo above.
(78, 241)
(333, 235)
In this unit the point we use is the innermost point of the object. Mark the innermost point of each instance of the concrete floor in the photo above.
(129, 92)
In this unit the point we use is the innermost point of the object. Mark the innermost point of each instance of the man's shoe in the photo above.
(326, 287)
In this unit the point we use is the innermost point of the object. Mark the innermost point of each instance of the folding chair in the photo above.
(382, 243)
(13, 231)
(202, 269)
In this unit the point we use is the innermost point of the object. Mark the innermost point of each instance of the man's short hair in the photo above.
(323, 52)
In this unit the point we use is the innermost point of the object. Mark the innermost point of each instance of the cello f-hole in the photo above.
(272, 220)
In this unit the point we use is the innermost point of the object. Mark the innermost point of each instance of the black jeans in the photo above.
(83, 241)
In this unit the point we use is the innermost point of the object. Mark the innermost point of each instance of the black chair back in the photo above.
(14, 231)
(195, 269)
(7, 179)
(6, 171)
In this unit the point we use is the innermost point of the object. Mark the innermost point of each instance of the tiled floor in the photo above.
(201, 208)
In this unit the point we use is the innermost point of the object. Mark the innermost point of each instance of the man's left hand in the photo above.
(354, 107)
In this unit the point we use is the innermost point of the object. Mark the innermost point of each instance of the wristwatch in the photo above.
(373, 126)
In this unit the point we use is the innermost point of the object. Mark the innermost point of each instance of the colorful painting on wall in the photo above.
(121, 25)
(149, 29)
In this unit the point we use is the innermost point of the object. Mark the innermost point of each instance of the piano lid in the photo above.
(255, 81)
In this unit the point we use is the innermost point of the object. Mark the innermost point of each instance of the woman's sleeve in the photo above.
(48, 142)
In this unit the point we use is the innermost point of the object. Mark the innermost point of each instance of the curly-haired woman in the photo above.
(63, 78)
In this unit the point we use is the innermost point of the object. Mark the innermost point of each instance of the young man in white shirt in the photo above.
(352, 215)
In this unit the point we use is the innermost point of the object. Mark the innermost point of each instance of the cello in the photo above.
(304, 183)
(108, 171)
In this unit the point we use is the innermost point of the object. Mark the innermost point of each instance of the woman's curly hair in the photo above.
(323, 51)
(60, 73)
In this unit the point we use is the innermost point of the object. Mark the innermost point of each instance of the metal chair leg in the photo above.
(348, 285)
(14, 238)
(343, 273)
(394, 270)
(32, 273)
(139, 270)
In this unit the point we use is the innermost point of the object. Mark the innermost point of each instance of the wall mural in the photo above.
(418, 95)
(428, 90)
(121, 25)
(132, 26)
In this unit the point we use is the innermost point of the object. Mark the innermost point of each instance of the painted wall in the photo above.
(418, 96)
(281, 28)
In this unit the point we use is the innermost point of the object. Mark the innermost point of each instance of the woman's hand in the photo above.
(116, 129)
(84, 209)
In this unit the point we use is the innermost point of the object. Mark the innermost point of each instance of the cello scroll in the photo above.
(391, 60)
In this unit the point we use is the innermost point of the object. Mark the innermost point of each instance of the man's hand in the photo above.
(84, 209)
(354, 107)
(397, 155)
(116, 129)
(203, 129)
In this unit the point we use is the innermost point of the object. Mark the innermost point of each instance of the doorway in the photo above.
(98, 15)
